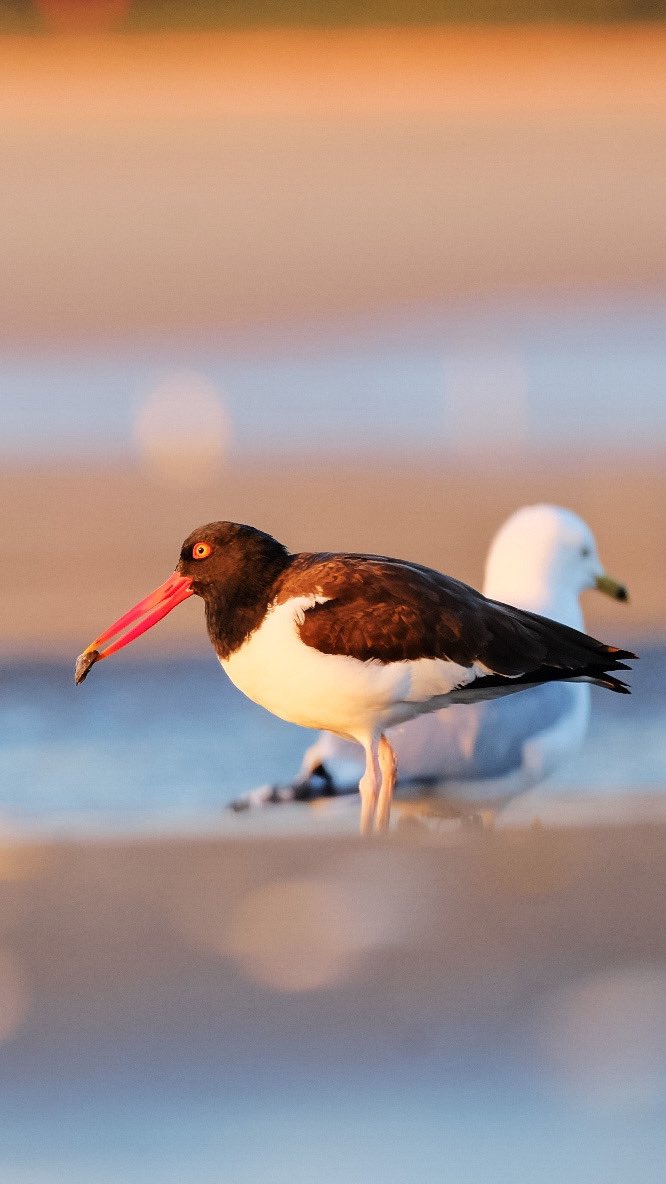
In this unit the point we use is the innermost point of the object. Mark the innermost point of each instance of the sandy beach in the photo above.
(135, 942)
(227, 1006)
(206, 183)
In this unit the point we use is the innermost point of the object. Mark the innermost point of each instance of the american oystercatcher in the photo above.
(354, 644)
(482, 755)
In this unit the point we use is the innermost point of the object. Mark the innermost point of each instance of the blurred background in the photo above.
(368, 276)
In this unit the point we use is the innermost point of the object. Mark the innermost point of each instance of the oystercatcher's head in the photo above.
(223, 557)
(226, 563)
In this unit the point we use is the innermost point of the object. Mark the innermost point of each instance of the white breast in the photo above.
(331, 691)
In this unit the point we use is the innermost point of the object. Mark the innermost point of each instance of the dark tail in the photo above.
(525, 649)
(493, 685)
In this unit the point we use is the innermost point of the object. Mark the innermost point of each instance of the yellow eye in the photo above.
(201, 550)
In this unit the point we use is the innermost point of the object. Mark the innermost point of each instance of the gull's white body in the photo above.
(488, 752)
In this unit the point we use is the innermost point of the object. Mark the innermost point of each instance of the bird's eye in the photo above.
(585, 552)
(201, 550)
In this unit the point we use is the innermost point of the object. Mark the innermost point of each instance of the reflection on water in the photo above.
(173, 740)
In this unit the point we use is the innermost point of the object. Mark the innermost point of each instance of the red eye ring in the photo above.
(201, 550)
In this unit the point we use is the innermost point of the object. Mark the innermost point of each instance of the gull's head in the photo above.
(542, 558)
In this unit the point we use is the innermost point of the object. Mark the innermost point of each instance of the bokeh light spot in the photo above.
(20, 861)
(292, 935)
(604, 1037)
(182, 430)
(307, 934)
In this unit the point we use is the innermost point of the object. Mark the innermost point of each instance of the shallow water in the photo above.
(171, 743)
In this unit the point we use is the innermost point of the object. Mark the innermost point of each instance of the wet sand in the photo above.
(182, 959)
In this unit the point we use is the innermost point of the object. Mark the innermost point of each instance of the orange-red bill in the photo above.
(146, 613)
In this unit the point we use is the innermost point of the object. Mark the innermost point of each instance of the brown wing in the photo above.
(388, 610)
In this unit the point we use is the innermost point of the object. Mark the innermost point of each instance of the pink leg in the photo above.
(369, 787)
(388, 768)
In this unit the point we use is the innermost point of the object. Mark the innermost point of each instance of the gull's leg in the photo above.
(388, 767)
(369, 786)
